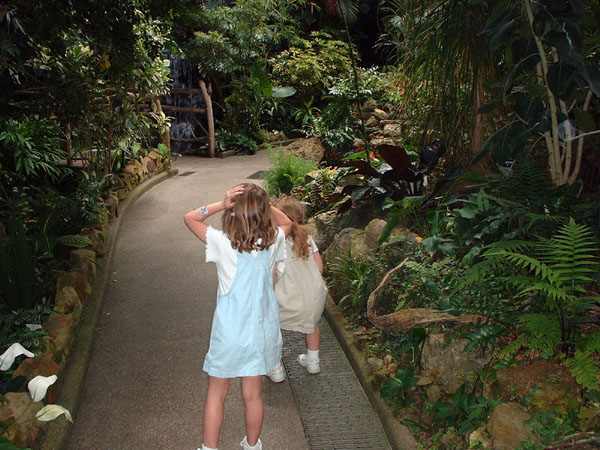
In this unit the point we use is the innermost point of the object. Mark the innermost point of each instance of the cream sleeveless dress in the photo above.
(300, 292)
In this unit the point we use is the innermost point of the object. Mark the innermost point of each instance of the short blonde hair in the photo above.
(249, 224)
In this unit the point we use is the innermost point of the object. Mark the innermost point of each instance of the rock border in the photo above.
(399, 435)
(72, 377)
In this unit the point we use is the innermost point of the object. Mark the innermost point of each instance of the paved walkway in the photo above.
(144, 386)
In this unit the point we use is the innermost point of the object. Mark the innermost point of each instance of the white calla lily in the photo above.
(51, 412)
(8, 357)
(39, 385)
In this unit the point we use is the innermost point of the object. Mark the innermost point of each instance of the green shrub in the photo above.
(241, 143)
(289, 171)
(31, 148)
(14, 326)
(310, 64)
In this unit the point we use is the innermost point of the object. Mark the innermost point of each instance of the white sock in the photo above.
(204, 447)
(312, 355)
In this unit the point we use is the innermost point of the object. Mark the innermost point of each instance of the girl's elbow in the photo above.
(188, 218)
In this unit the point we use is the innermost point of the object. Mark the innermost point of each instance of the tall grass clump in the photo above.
(288, 172)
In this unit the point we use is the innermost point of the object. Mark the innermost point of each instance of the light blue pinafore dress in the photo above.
(245, 339)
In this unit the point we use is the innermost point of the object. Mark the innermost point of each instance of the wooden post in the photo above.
(209, 118)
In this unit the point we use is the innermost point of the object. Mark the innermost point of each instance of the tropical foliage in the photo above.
(549, 78)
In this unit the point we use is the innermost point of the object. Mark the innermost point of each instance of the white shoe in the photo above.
(245, 446)
(277, 374)
(310, 365)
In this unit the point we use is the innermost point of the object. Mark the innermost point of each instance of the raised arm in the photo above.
(195, 219)
(281, 220)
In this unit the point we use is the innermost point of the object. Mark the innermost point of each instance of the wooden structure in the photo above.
(208, 110)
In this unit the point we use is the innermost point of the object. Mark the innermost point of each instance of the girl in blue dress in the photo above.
(245, 340)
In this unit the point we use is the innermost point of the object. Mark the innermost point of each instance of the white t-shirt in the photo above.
(219, 251)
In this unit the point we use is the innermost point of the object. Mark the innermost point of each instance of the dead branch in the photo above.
(406, 319)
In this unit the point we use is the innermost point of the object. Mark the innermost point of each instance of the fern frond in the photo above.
(534, 218)
(544, 332)
(583, 368)
(591, 342)
(415, 266)
(552, 292)
(476, 273)
(512, 348)
(509, 246)
(530, 264)
(571, 254)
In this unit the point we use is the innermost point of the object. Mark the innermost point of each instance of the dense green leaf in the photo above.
(584, 369)
(525, 51)
(509, 142)
(530, 109)
(561, 78)
(591, 74)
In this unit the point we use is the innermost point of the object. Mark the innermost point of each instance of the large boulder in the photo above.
(84, 259)
(373, 230)
(60, 329)
(450, 362)
(372, 121)
(369, 106)
(392, 130)
(349, 242)
(507, 426)
(310, 148)
(323, 228)
(76, 279)
(97, 238)
(380, 114)
(67, 301)
(550, 379)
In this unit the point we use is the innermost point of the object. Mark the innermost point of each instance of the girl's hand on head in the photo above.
(231, 193)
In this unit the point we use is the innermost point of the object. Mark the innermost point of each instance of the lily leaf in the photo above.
(51, 412)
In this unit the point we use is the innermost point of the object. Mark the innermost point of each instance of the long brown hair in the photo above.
(249, 224)
(296, 211)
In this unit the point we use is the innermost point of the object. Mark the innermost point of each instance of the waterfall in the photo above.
(185, 125)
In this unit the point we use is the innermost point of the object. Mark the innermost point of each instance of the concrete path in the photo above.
(144, 386)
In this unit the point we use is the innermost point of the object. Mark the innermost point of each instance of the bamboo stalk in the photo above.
(573, 177)
(554, 149)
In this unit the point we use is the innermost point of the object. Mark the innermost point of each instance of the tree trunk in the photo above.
(210, 119)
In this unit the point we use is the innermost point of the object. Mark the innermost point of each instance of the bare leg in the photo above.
(252, 394)
(313, 340)
(213, 411)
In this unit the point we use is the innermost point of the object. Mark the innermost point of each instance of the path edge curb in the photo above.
(73, 376)
(399, 435)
